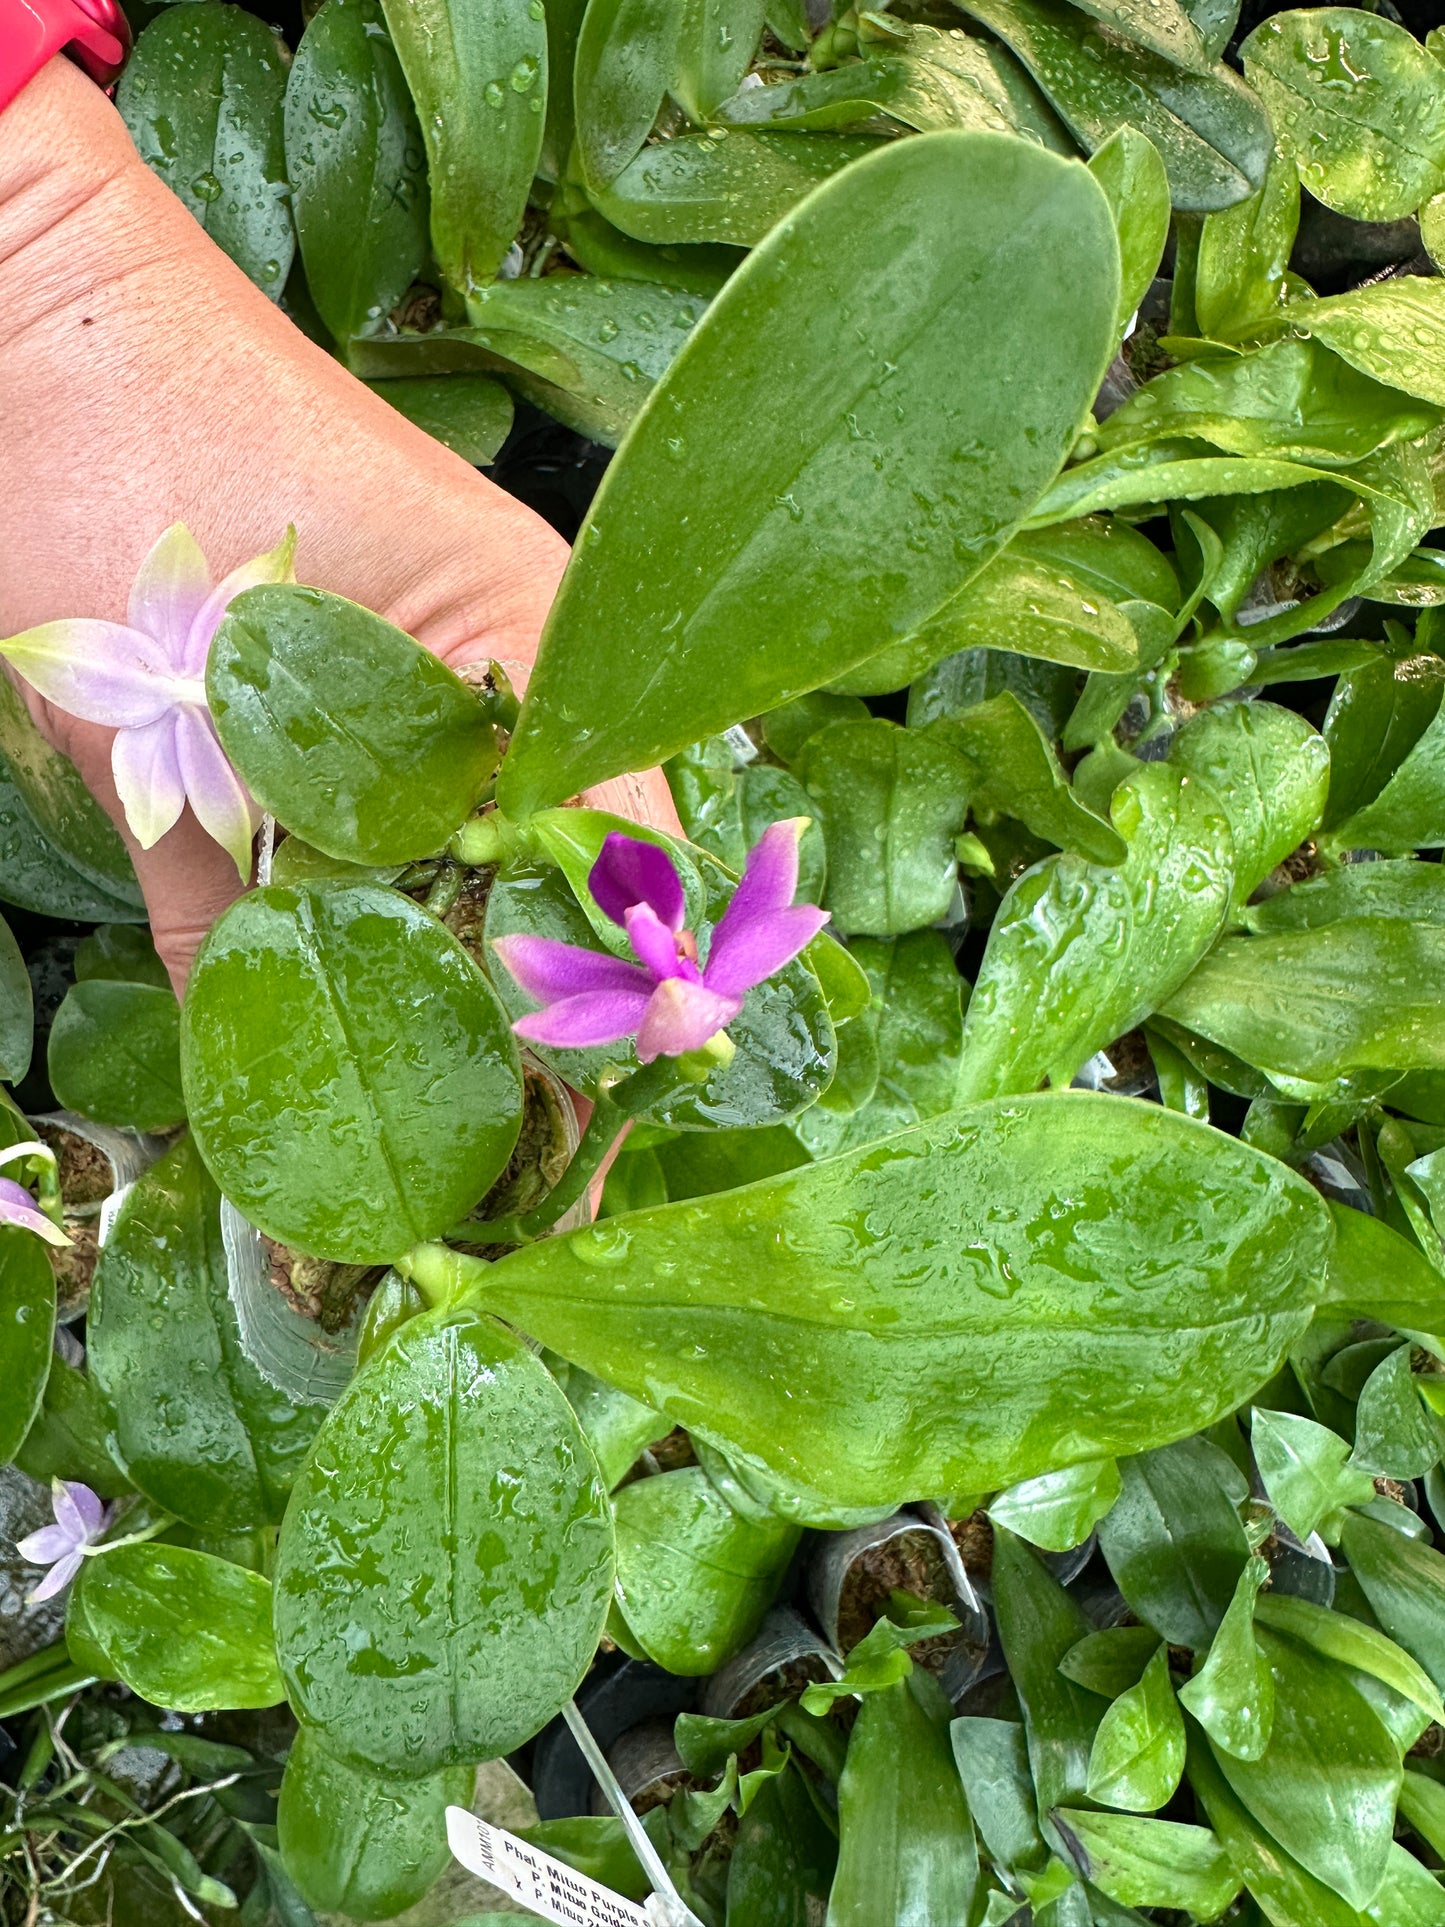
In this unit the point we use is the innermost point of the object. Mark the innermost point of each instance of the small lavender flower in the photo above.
(146, 677)
(668, 1001)
(80, 1518)
(16, 1204)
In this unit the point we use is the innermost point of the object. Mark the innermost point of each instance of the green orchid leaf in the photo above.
(1270, 771)
(1326, 1784)
(785, 1854)
(727, 809)
(469, 414)
(1233, 1693)
(1138, 1753)
(598, 1847)
(881, 1657)
(716, 45)
(693, 1577)
(785, 1052)
(356, 1006)
(604, 250)
(199, 1429)
(1129, 170)
(1012, 1177)
(1060, 1509)
(1017, 773)
(993, 1763)
(1112, 1660)
(35, 875)
(1304, 1469)
(905, 1841)
(202, 97)
(1173, 1540)
(1090, 950)
(1038, 1622)
(1150, 1863)
(27, 1331)
(1416, 582)
(73, 1434)
(626, 55)
(1414, 892)
(1393, 331)
(1404, 1582)
(377, 767)
(1168, 30)
(786, 728)
(119, 953)
(773, 329)
(618, 1428)
(1291, 399)
(1378, 715)
(1209, 130)
(478, 74)
(1394, 1434)
(1422, 1804)
(723, 187)
(1318, 1004)
(1241, 275)
(1356, 106)
(891, 801)
(1351, 1642)
(361, 1843)
(114, 1054)
(43, 790)
(932, 80)
(182, 1629)
(357, 167)
(411, 1560)
(17, 1010)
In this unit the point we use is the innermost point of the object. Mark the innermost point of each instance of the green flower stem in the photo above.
(603, 1128)
(444, 1277)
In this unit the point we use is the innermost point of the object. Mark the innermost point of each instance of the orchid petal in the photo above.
(57, 1579)
(276, 565)
(549, 970)
(17, 1207)
(628, 871)
(656, 945)
(770, 875)
(76, 1503)
(682, 1016)
(592, 1017)
(749, 950)
(220, 800)
(47, 1545)
(169, 592)
(102, 672)
(148, 778)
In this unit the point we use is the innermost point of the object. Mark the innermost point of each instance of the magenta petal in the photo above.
(746, 951)
(681, 1017)
(627, 872)
(77, 1508)
(770, 875)
(148, 779)
(58, 1577)
(549, 970)
(655, 944)
(593, 1017)
(43, 1548)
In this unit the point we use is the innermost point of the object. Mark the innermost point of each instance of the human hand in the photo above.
(145, 381)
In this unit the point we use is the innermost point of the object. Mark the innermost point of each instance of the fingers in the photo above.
(188, 881)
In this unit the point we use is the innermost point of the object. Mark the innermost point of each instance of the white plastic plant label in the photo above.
(549, 1888)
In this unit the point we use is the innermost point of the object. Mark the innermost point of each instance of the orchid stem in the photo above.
(603, 1128)
(162, 1524)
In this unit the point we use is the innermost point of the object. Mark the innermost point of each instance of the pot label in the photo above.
(549, 1888)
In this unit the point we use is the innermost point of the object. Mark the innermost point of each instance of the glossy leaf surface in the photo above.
(1219, 1249)
(727, 187)
(357, 167)
(1038, 1622)
(359, 1843)
(202, 99)
(1138, 1751)
(477, 70)
(64, 813)
(395, 1097)
(27, 1327)
(1173, 1540)
(183, 1629)
(377, 766)
(792, 502)
(1152, 1863)
(693, 1577)
(1404, 1582)
(114, 1054)
(446, 1560)
(469, 414)
(200, 1430)
(17, 1010)
(1059, 1509)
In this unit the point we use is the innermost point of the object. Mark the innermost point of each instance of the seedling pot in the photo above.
(785, 1655)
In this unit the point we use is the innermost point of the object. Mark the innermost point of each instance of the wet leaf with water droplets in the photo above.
(446, 1561)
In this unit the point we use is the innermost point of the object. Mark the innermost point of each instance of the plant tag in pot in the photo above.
(553, 1890)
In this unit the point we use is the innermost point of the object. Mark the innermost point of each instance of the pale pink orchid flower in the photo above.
(146, 678)
(80, 1519)
(17, 1206)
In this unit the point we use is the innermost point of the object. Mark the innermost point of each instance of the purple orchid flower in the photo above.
(16, 1204)
(80, 1518)
(146, 677)
(667, 1000)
